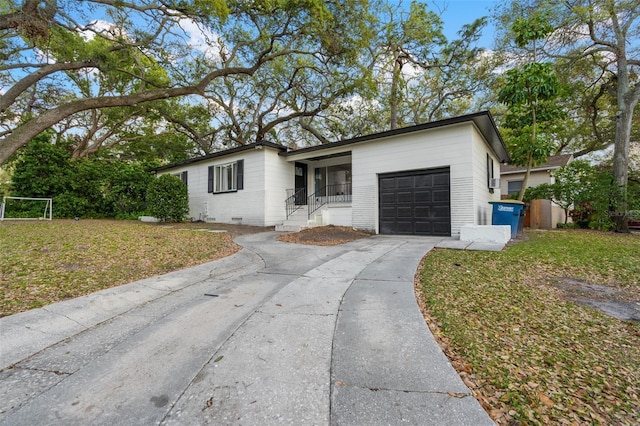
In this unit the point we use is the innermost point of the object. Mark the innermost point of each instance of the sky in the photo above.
(460, 12)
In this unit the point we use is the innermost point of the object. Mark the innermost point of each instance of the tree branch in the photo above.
(21, 86)
(25, 132)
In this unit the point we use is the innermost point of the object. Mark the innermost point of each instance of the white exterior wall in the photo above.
(246, 206)
(338, 215)
(537, 177)
(278, 176)
(442, 147)
(481, 194)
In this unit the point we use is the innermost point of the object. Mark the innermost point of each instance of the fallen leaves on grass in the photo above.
(529, 355)
(45, 262)
(324, 236)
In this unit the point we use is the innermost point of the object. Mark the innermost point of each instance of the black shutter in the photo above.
(240, 174)
(210, 180)
(183, 176)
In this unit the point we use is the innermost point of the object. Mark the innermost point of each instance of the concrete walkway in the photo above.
(275, 334)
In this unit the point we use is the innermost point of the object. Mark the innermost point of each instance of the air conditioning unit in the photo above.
(494, 183)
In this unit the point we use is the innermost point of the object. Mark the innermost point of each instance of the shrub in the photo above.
(95, 187)
(568, 225)
(168, 199)
(41, 169)
(125, 189)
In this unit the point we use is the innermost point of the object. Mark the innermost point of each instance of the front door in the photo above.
(301, 184)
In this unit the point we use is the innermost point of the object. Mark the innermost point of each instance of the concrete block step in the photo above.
(288, 228)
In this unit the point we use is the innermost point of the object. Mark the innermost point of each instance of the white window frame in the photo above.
(225, 177)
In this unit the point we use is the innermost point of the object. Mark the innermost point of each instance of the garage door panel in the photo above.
(441, 212)
(404, 227)
(387, 227)
(441, 196)
(404, 212)
(423, 228)
(422, 196)
(423, 181)
(421, 212)
(404, 182)
(388, 198)
(441, 179)
(405, 197)
(415, 203)
(387, 183)
(441, 228)
(389, 213)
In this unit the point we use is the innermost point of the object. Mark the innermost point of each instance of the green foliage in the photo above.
(535, 27)
(168, 199)
(125, 190)
(79, 187)
(573, 183)
(41, 169)
(530, 92)
(596, 206)
(590, 196)
(529, 85)
(93, 55)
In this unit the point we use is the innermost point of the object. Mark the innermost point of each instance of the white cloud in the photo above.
(203, 40)
(104, 28)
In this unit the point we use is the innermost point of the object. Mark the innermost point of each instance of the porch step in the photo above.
(300, 220)
(288, 228)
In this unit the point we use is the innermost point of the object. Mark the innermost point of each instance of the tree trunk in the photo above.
(525, 181)
(621, 166)
(534, 135)
(395, 83)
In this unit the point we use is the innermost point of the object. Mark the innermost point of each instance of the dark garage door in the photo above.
(415, 203)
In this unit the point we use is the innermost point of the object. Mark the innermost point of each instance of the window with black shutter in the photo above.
(228, 177)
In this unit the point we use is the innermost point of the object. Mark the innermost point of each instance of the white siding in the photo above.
(442, 147)
(246, 206)
(337, 215)
(481, 193)
(278, 176)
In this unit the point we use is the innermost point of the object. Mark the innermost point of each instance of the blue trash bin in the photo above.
(507, 212)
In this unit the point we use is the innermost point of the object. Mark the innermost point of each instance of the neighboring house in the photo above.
(542, 214)
(428, 179)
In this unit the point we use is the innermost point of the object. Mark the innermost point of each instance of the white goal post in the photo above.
(47, 212)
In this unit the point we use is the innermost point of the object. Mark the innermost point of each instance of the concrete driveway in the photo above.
(275, 334)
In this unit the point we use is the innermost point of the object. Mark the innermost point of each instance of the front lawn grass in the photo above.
(530, 355)
(44, 262)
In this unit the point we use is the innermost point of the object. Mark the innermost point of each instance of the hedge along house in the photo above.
(428, 179)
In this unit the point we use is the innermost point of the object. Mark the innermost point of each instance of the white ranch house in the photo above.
(429, 179)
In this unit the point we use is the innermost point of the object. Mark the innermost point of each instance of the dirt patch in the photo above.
(233, 230)
(623, 304)
(324, 236)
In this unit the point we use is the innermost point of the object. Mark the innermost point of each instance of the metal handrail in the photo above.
(290, 203)
(338, 193)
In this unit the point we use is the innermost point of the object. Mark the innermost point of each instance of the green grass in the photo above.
(44, 262)
(536, 357)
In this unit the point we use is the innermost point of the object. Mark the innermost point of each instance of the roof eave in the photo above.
(218, 154)
(482, 120)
